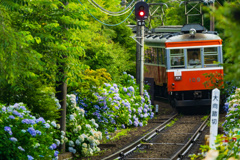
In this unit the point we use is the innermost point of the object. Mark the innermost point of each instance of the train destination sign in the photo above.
(214, 117)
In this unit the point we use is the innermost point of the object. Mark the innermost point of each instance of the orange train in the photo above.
(176, 61)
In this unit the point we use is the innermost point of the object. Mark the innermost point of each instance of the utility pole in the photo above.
(212, 27)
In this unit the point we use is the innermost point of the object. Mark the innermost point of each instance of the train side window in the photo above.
(210, 57)
(194, 58)
(177, 58)
(147, 55)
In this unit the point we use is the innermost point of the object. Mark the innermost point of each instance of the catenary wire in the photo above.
(106, 23)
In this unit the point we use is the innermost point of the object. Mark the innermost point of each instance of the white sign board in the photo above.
(214, 117)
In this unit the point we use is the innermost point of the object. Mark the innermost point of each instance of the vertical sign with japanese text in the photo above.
(214, 117)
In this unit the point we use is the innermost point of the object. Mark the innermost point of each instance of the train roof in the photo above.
(183, 35)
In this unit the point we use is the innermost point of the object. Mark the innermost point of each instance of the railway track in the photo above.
(165, 143)
(146, 137)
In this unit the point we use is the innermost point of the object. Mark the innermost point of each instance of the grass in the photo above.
(171, 123)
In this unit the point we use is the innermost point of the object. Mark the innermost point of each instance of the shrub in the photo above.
(118, 106)
(81, 135)
(25, 136)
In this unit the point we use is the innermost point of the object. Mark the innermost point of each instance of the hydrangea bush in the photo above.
(81, 135)
(118, 106)
(228, 145)
(24, 136)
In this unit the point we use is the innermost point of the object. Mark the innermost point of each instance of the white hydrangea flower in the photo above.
(62, 133)
(84, 145)
(71, 143)
(71, 117)
(53, 123)
(77, 142)
(88, 126)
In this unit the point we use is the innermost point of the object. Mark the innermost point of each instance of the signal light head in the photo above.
(141, 13)
(141, 10)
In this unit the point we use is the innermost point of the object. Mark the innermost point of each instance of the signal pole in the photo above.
(141, 13)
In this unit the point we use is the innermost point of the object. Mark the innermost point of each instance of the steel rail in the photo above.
(181, 153)
(137, 144)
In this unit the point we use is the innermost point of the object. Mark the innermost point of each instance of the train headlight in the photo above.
(192, 32)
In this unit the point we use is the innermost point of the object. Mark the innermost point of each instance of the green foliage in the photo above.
(228, 20)
(45, 42)
(215, 80)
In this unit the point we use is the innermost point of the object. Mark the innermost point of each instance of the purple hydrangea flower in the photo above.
(38, 132)
(16, 113)
(53, 146)
(11, 117)
(114, 85)
(8, 129)
(32, 131)
(56, 153)
(145, 110)
(131, 89)
(130, 122)
(23, 108)
(26, 121)
(20, 148)
(135, 123)
(116, 107)
(123, 126)
(124, 89)
(40, 120)
(4, 109)
(31, 121)
(13, 139)
(47, 125)
(140, 124)
(30, 157)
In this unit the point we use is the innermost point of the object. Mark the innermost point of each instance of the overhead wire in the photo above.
(112, 13)
(104, 22)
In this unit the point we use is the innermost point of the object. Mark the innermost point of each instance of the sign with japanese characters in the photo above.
(214, 117)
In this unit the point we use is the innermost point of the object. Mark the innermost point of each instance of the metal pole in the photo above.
(142, 61)
(138, 34)
(212, 18)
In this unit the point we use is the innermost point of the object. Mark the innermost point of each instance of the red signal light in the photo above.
(141, 13)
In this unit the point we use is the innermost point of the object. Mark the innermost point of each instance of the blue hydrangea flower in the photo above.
(140, 124)
(4, 109)
(123, 126)
(56, 153)
(16, 113)
(131, 89)
(11, 117)
(13, 139)
(22, 107)
(32, 131)
(38, 132)
(8, 129)
(47, 125)
(20, 148)
(26, 121)
(30, 157)
(40, 120)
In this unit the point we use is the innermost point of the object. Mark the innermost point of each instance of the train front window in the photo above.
(177, 58)
(194, 58)
(210, 57)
